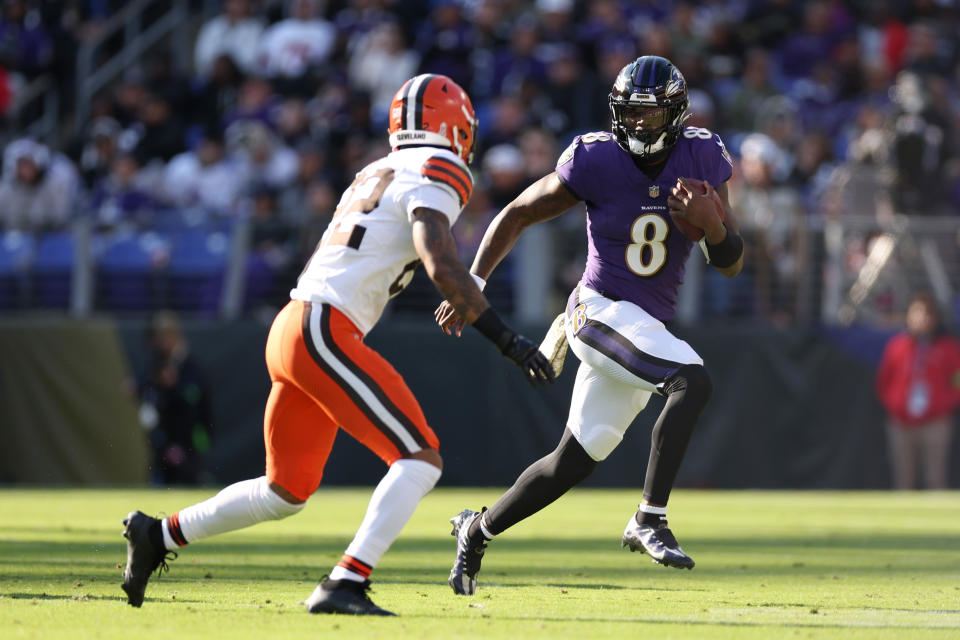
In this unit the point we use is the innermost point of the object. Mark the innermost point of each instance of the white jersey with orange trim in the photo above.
(366, 256)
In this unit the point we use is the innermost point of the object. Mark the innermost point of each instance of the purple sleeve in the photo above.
(570, 169)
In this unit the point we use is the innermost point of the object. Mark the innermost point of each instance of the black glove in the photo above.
(534, 364)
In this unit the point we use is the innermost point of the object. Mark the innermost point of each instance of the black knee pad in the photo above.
(693, 381)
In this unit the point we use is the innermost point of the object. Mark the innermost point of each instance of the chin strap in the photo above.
(647, 150)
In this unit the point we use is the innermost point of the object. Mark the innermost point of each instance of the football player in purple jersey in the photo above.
(647, 185)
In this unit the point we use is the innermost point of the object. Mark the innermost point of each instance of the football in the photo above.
(692, 232)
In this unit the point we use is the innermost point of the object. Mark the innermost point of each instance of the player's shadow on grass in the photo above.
(87, 533)
(559, 585)
(307, 557)
(572, 586)
(750, 624)
(580, 586)
(317, 545)
(79, 597)
(872, 542)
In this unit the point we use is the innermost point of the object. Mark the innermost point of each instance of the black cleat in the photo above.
(463, 575)
(143, 556)
(344, 596)
(656, 541)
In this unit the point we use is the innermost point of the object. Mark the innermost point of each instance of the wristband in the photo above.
(492, 327)
(481, 283)
(727, 252)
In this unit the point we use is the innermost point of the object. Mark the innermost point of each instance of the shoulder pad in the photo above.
(452, 174)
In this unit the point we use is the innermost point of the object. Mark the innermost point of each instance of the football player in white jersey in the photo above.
(396, 215)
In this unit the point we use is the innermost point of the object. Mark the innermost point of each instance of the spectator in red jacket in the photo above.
(919, 385)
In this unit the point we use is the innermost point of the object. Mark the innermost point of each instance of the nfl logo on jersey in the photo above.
(654, 190)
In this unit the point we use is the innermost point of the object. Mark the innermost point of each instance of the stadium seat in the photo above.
(50, 275)
(128, 271)
(198, 262)
(175, 220)
(16, 249)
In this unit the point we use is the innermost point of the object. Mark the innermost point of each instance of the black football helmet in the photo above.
(647, 106)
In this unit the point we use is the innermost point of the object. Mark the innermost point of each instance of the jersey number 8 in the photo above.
(697, 132)
(648, 253)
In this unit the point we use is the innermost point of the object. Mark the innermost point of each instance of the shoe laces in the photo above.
(666, 536)
(364, 592)
(361, 588)
(473, 546)
(163, 566)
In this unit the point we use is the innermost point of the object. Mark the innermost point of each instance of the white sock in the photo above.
(391, 506)
(649, 508)
(237, 506)
(483, 528)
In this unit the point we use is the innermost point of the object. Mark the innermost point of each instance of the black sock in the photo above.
(540, 484)
(475, 533)
(688, 392)
(652, 519)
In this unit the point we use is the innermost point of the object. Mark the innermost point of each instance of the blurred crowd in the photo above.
(830, 108)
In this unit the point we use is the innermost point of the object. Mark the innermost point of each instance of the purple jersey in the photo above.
(635, 252)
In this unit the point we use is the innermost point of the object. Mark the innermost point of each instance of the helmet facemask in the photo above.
(460, 138)
(646, 130)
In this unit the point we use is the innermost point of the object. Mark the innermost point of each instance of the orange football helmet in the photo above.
(431, 109)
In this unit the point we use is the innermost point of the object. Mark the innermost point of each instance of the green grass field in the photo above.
(769, 565)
